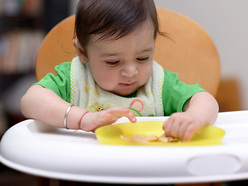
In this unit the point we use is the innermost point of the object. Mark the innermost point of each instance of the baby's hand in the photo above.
(94, 120)
(182, 125)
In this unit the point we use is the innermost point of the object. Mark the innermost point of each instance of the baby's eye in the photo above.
(112, 63)
(143, 58)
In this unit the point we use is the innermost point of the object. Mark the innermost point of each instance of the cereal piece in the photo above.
(166, 139)
(140, 138)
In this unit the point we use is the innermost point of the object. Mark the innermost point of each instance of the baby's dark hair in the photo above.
(116, 18)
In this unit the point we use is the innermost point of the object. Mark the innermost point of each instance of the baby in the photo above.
(114, 76)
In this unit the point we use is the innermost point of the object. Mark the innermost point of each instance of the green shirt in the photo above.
(175, 93)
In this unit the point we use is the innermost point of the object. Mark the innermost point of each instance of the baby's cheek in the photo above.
(106, 81)
(145, 74)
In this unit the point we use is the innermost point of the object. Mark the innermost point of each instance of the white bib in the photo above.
(87, 94)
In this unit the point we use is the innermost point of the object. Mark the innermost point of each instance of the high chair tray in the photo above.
(36, 148)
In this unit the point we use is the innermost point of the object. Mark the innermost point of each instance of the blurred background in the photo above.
(24, 23)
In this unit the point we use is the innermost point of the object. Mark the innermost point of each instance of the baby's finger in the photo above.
(131, 117)
(182, 129)
(167, 126)
(175, 128)
(189, 133)
(124, 112)
(113, 114)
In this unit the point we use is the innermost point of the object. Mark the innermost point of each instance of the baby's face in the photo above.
(122, 66)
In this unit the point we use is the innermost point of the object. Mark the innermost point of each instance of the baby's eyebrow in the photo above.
(150, 49)
(108, 54)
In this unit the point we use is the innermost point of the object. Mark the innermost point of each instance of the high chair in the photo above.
(77, 156)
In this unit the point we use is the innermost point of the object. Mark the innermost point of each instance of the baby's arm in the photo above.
(45, 105)
(201, 110)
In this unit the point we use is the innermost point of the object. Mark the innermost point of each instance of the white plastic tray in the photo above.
(39, 149)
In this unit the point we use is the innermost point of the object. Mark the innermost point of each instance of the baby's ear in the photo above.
(80, 51)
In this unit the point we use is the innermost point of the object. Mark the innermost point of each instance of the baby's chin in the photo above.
(125, 93)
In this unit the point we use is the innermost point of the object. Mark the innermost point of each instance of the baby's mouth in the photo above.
(127, 85)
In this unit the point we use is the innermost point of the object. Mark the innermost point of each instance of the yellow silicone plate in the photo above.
(110, 134)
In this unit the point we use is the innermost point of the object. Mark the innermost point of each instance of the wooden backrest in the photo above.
(190, 51)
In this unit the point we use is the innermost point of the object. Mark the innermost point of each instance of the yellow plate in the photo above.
(110, 134)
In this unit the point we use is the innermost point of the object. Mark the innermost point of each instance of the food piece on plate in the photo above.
(140, 138)
(166, 139)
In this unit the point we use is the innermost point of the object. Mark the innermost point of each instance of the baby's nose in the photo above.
(129, 71)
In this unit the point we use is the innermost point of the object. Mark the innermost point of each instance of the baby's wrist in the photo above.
(66, 116)
(74, 116)
(81, 119)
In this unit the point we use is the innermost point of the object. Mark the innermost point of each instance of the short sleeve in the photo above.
(176, 93)
(60, 84)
